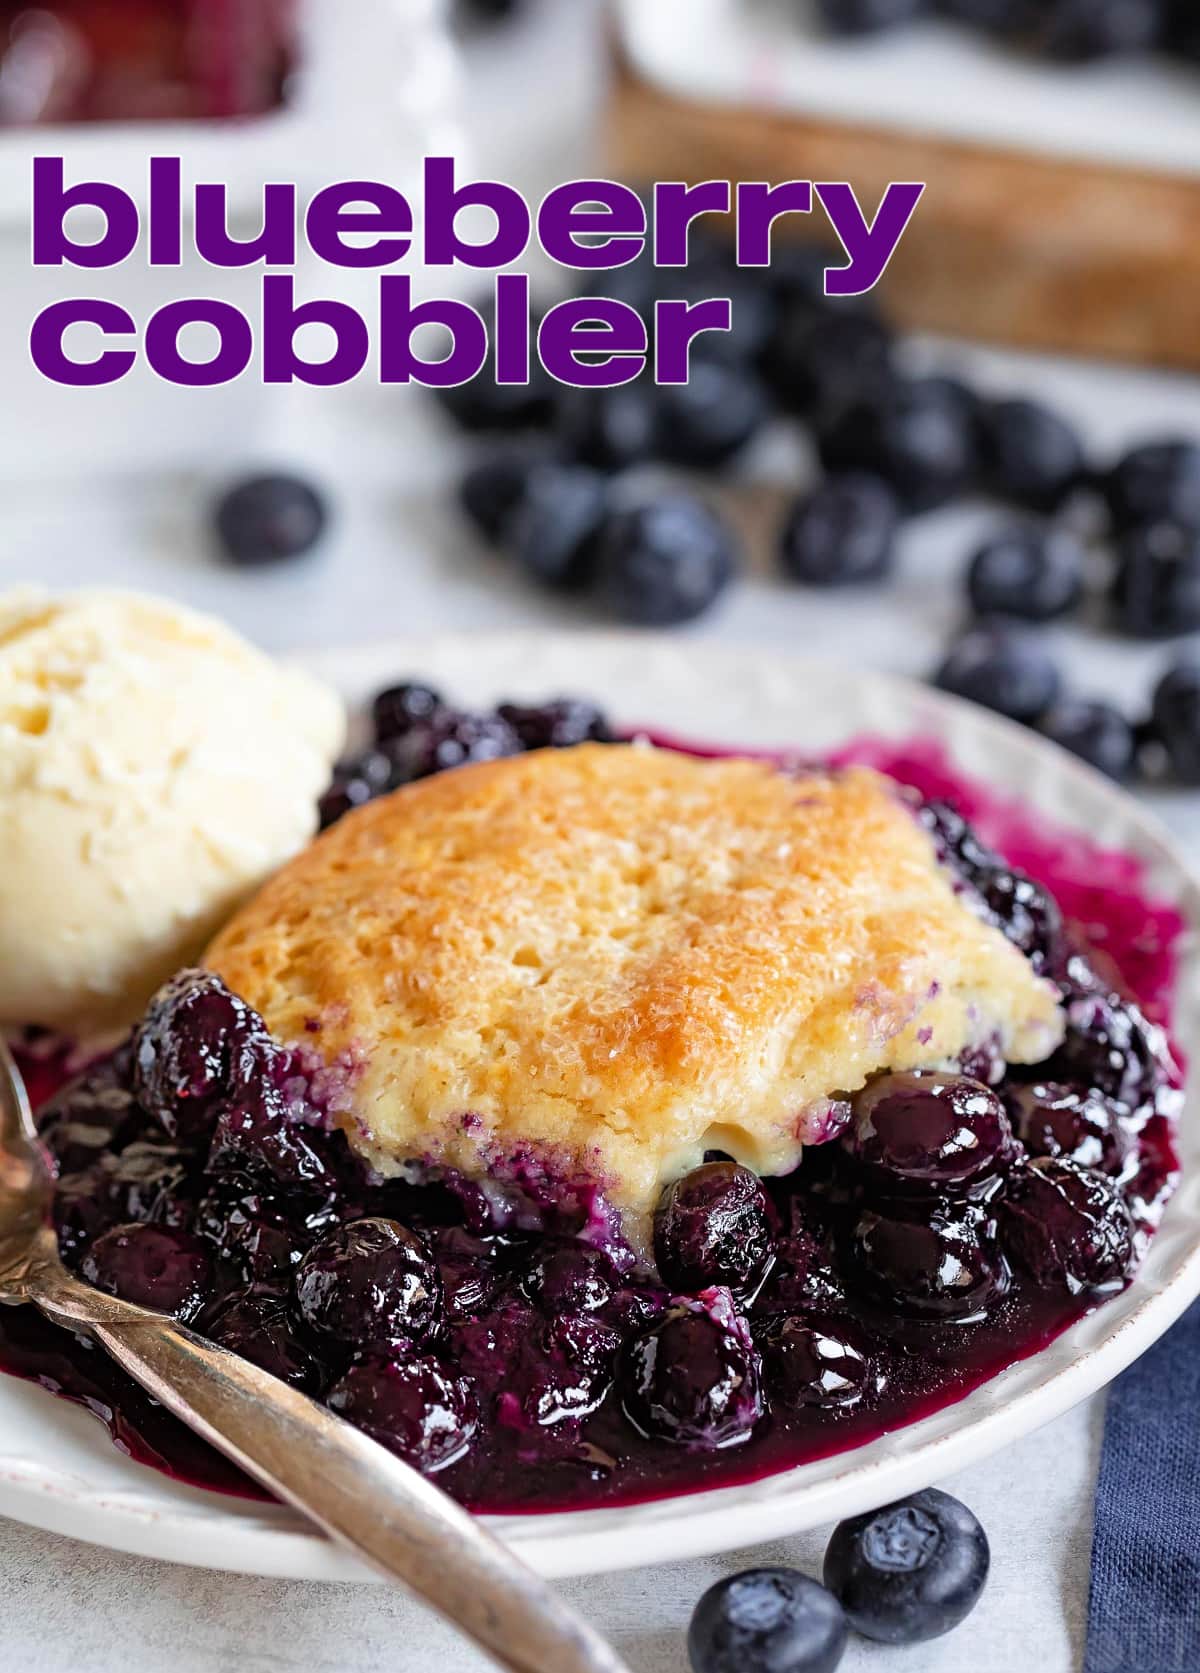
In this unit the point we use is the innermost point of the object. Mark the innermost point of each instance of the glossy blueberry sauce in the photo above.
(541, 1358)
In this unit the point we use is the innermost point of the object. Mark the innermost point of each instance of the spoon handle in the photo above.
(357, 1491)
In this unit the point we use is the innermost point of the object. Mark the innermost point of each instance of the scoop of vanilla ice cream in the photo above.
(154, 769)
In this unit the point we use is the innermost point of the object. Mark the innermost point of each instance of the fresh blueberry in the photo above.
(492, 488)
(867, 17)
(1067, 1227)
(911, 1571)
(484, 404)
(257, 1135)
(399, 709)
(767, 1620)
(370, 1284)
(610, 429)
(1074, 1122)
(1002, 669)
(268, 518)
(1095, 731)
(1176, 720)
(917, 433)
(842, 533)
(825, 356)
(1079, 30)
(413, 1406)
(708, 420)
(1156, 591)
(814, 1361)
(666, 561)
(931, 1132)
(1030, 454)
(715, 1226)
(556, 528)
(1158, 482)
(454, 739)
(557, 725)
(711, 271)
(152, 1266)
(1032, 573)
(929, 1262)
(197, 1046)
(693, 1380)
(997, 17)
(255, 1325)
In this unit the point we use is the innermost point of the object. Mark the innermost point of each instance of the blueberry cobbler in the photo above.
(600, 1120)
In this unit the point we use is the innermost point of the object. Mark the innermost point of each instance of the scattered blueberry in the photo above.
(867, 17)
(1032, 573)
(666, 561)
(151, 1266)
(370, 1284)
(932, 1132)
(693, 1380)
(484, 404)
(1079, 30)
(767, 1620)
(1157, 587)
(413, 1406)
(492, 489)
(917, 433)
(708, 420)
(1030, 454)
(997, 17)
(1176, 720)
(714, 1226)
(268, 518)
(610, 429)
(815, 1361)
(1067, 1226)
(556, 528)
(1158, 482)
(1002, 669)
(911, 1571)
(842, 532)
(939, 1261)
(1095, 731)
(823, 357)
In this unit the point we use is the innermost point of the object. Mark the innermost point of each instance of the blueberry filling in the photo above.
(950, 1222)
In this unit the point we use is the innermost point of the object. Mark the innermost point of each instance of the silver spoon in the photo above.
(356, 1490)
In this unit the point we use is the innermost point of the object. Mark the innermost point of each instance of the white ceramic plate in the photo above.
(57, 1468)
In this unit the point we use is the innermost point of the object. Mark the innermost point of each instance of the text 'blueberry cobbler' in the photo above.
(949, 1222)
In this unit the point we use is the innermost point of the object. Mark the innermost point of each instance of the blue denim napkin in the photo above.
(1144, 1607)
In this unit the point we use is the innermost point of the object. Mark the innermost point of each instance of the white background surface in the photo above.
(400, 563)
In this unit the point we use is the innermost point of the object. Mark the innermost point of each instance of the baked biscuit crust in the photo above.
(612, 958)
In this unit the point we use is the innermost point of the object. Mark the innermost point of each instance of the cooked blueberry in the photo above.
(804, 1278)
(454, 739)
(1158, 482)
(1067, 1227)
(555, 530)
(1030, 454)
(842, 533)
(957, 843)
(197, 1045)
(693, 1380)
(1024, 910)
(256, 1134)
(1095, 731)
(709, 419)
(1002, 669)
(823, 357)
(814, 1361)
(715, 1226)
(1079, 30)
(1176, 720)
(1074, 1122)
(1032, 573)
(931, 1131)
(261, 1234)
(911, 1571)
(471, 1269)
(1156, 590)
(255, 1325)
(867, 17)
(492, 488)
(413, 1406)
(151, 1266)
(545, 1371)
(269, 518)
(939, 1261)
(91, 1116)
(767, 1620)
(571, 1278)
(917, 433)
(370, 1284)
(557, 725)
(666, 561)
(401, 709)
(1111, 1046)
(145, 1182)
